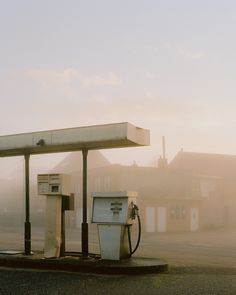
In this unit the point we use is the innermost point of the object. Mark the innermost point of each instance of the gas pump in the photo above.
(56, 188)
(115, 213)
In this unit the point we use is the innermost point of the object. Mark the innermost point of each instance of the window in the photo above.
(177, 212)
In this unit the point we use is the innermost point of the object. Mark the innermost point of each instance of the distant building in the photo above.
(193, 192)
(215, 176)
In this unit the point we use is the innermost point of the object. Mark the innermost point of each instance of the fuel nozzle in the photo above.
(134, 210)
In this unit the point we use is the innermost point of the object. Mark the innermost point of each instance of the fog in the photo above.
(152, 63)
(187, 205)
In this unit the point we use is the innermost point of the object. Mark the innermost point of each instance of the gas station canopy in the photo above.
(65, 140)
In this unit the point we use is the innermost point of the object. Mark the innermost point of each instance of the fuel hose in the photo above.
(138, 239)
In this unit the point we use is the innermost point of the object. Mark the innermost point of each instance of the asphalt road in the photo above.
(209, 248)
(204, 281)
(200, 263)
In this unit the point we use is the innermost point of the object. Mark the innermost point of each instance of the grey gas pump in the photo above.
(56, 188)
(114, 213)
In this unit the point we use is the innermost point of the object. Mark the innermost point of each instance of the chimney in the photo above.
(162, 162)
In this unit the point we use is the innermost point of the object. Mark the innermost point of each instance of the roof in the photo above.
(218, 165)
(73, 162)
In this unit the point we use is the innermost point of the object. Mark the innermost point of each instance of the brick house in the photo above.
(195, 191)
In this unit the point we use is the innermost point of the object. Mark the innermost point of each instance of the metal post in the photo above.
(27, 208)
(63, 235)
(84, 235)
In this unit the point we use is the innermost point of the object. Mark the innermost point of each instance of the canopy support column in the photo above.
(84, 235)
(27, 208)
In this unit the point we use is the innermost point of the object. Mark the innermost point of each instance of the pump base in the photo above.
(130, 266)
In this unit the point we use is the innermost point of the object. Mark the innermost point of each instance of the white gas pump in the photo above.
(114, 213)
(56, 188)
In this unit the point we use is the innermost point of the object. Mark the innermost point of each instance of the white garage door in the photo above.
(150, 219)
(194, 219)
(161, 219)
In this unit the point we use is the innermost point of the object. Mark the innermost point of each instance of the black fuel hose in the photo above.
(139, 237)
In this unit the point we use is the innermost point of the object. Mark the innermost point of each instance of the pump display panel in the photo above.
(115, 208)
(53, 184)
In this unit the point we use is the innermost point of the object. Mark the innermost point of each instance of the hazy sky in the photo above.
(169, 66)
